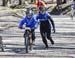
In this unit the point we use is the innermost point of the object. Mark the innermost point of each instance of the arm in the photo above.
(52, 22)
(21, 23)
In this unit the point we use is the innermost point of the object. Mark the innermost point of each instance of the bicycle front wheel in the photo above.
(27, 44)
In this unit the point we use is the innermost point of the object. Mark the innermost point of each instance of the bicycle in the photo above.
(28, 39)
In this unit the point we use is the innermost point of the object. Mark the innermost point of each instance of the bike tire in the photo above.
(27, 44)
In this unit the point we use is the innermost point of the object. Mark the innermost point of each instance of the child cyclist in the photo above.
(30, 22)
(45, 26)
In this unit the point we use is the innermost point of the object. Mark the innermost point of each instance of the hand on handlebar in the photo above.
(24, 28)
(27, 28)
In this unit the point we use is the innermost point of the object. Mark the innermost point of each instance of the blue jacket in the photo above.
(44, 17)
(29, 22)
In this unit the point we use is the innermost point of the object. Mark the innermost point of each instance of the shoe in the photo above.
(46, 47)
(52, 42)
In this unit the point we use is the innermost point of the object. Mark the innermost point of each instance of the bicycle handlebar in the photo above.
(27, 28)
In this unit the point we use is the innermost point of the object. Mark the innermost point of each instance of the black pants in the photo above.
(45, 31)
(33, 34)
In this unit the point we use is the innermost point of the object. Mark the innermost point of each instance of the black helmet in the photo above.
(29, 13)
(42, 8)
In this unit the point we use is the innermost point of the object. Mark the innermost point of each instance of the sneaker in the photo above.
(52, 42)
(46, 47)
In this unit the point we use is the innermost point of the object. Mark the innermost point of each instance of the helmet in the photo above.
(29, 13)
(42, 8)
(29, 8)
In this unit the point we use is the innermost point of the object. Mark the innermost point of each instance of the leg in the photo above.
(50, 38)
(42, 32)
(33, 35)
(48, 31)
(44, 39)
